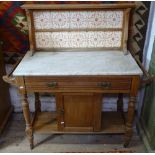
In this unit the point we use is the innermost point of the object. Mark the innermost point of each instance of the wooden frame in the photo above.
(31, 30)
(30, 8)
(56, 128)
(78, 6)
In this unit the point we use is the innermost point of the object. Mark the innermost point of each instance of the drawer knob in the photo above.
(52, 84)
(104, 84)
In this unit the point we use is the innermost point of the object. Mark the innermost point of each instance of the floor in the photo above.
(13, 139)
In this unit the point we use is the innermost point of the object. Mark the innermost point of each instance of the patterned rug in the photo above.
(138, 28)
(14, 28)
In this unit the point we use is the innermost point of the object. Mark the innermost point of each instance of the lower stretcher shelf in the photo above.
(112, 122)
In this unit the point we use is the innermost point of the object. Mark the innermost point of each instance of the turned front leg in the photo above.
(26, 112)
(37, 102)
(130, 119)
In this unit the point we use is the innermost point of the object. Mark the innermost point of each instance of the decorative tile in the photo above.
(84, 39)
(94, 39)
(42, 19)
(95, 19)
(60, 19)
(43, 40)
(104, 39)
(105, 19)
(60, 39)
(78, 19)
(78, 39)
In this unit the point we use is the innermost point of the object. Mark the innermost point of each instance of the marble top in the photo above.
(77, 63)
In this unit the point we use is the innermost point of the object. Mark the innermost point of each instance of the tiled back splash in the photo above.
(104, 29)
(78, 39)
(78, 19)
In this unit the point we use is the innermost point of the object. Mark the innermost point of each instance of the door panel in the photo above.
(78, 111)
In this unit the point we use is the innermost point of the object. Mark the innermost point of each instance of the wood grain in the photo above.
(78, 83)
(74, 105)
(77, 6)
(125, 31)
(26, 112)
(30, 22)
(131, 110)
(112, 122)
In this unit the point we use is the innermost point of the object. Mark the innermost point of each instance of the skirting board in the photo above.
(143, 135)
(6, 119)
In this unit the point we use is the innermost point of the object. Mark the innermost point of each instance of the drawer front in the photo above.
(60, 84)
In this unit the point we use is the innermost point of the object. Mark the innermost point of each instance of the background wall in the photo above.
(147, 50)
(146, 123)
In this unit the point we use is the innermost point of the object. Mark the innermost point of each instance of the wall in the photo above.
(146, 124)
(147, 51)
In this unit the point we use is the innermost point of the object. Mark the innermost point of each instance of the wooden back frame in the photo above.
(125, 7)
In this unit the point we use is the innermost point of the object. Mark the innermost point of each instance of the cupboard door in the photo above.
(78, 112)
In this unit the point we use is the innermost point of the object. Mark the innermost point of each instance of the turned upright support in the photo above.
(120, 103)
(37, 102)
(130, 119)
(131, 109)
(26, 112)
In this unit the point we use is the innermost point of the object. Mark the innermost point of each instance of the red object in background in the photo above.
(13, 23)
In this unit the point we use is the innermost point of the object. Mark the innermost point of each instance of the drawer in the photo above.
(77, 83)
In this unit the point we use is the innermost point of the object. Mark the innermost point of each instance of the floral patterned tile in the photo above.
(42, 19)
(78, 19)
(60, 19)
(104, 39)
(60, 39)
(78, 39)
(43, 40)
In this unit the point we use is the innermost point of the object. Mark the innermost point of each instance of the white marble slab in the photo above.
(77, 63)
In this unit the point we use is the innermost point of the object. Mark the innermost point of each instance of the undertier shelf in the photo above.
(112, 122)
